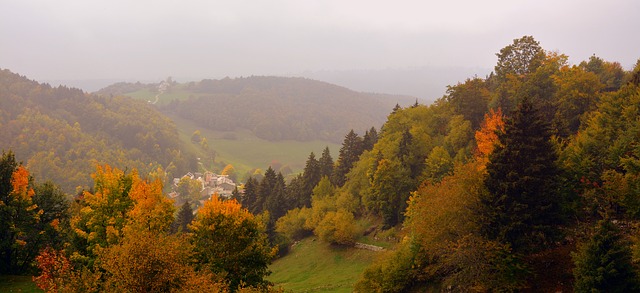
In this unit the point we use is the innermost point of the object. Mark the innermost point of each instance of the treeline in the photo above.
(122, 236)
(62, 133)
(277, 108)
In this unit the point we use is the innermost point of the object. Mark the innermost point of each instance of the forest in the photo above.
(63, 133)
(526, 180)
(272, 108)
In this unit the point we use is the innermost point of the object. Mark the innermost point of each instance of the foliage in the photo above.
(349, 153)
(148, 261)
(229, 241)
(30, 219)
(63, 133)
(276, 108)
(522, 205)
(603, 262)
(183, 219)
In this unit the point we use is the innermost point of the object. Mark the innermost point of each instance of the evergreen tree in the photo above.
(349, 154)
(369, 139)
(276, 202)
(265, 190)
(310, 177)
(183, 219)
(522, 204)
(250, 196)
(326, 163)
(294, 192)
(603, 263)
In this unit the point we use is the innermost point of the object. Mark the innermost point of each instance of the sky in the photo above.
(192, 40)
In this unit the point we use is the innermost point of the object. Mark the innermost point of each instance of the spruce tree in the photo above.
(603, 263)
(183, 219)
(250, 196)
(265, 190)
(349, 154)
(326, 163)
(369, 139)
(521, 206)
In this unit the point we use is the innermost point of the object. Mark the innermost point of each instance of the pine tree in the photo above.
(183, 219)
(349, 154)
(265, 190)
(522, 204)
(310, 177)
(603, 263)
(250, 196)
(326, 163)
(369, 139)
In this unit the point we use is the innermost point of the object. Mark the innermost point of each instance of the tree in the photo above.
(102, 214)
(230, 171)
(196, 137)
(349, 153)
(326, 163)
(310, 177)
(603, 262)
(520, 58)
(487, 135)
(190, 189)
(522, 205)
(183, 219)
(229, 241)
(370, 138)
(469, 99)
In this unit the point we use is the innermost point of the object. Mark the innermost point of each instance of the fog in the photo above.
(190, 40)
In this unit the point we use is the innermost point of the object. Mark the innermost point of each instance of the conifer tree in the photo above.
(265, 189)
(250, 194)
(184, 218)
(369, 139)
(326, 163)
(522, 204)
(603, 263)
(310, 178)
(349, 154)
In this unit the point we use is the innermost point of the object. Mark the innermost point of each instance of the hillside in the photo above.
(272, 108)
(61, 133)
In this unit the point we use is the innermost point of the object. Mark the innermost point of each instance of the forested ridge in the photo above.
(525, 180)
(61, 133)
(274, 108)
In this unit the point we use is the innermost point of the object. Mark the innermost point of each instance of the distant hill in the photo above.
(61, 133)
(273, 108)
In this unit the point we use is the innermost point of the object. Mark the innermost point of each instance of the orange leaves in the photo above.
(53, 266)
(152, 210)
(229, 208)
(20, 183)
(487, 136)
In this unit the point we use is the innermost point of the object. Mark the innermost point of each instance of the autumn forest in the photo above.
(525, 180)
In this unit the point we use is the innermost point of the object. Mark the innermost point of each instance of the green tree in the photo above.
(183, 219)
(522, 205)
(470, 99)
(603, 262)
(310, 176)
(520, 58)
(369, 139)
(326, 163)
(349, 153)
(190, 189)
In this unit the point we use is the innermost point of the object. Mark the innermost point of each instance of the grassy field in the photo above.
(18, 284)
(148, 95)
(315, 266)
(245, 151)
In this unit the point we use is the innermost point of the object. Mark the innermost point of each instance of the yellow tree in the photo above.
(229, 241)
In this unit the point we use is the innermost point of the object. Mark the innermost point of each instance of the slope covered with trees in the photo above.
(62, 133)
(274, 108)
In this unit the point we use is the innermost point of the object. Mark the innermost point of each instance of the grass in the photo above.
(315, 266)
(177, 93)
(18, 284)
(245, 151)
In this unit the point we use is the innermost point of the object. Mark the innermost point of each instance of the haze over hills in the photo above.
(61, 133)
(272, 108)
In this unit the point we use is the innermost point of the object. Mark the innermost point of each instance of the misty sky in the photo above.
(147, 40)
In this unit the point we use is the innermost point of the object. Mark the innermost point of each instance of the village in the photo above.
(198, 187)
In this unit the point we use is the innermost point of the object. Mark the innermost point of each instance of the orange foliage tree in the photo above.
(229, 241)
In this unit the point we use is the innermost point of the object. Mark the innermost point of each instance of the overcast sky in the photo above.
(147, 40)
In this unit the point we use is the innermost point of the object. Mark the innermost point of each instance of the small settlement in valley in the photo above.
(210, 184)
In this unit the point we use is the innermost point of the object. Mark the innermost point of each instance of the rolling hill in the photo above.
(272, 108)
